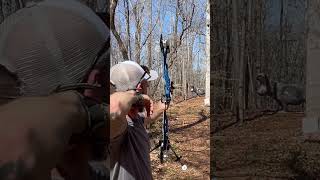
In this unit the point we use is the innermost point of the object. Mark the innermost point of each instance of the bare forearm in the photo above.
(156, 115)
(120, 105)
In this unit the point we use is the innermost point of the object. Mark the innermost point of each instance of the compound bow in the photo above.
(164, 143)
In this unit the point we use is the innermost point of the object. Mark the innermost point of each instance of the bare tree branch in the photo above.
(123, 49)
(149, 34)
(188, 26)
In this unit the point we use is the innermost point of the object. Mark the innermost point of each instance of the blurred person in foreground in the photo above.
(40, 142)
(46, 44)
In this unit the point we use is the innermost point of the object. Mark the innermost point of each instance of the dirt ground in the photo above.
(190, 138)
(269, 147)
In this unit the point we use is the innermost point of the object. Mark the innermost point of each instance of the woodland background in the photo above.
(136, 26)
(251, 37)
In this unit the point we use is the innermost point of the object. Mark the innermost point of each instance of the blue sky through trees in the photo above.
(163, 22)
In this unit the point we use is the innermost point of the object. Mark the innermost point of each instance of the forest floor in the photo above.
(269, 147)
(190, 138)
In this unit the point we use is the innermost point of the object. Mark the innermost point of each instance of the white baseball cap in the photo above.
(128, 74)
(152, 75)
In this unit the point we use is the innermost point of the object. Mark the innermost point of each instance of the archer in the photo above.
(130, 158)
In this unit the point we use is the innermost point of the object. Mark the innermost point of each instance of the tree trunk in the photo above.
(241, 70)
(150, 38)
(126, 2)
(207, 96)
(281, 57)
(1, 12)
(184, 78)
(138, 22)
(237, 44)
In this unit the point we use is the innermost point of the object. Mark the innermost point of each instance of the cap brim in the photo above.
(153, 75)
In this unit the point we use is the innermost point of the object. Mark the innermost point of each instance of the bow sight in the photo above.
(164, 143)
